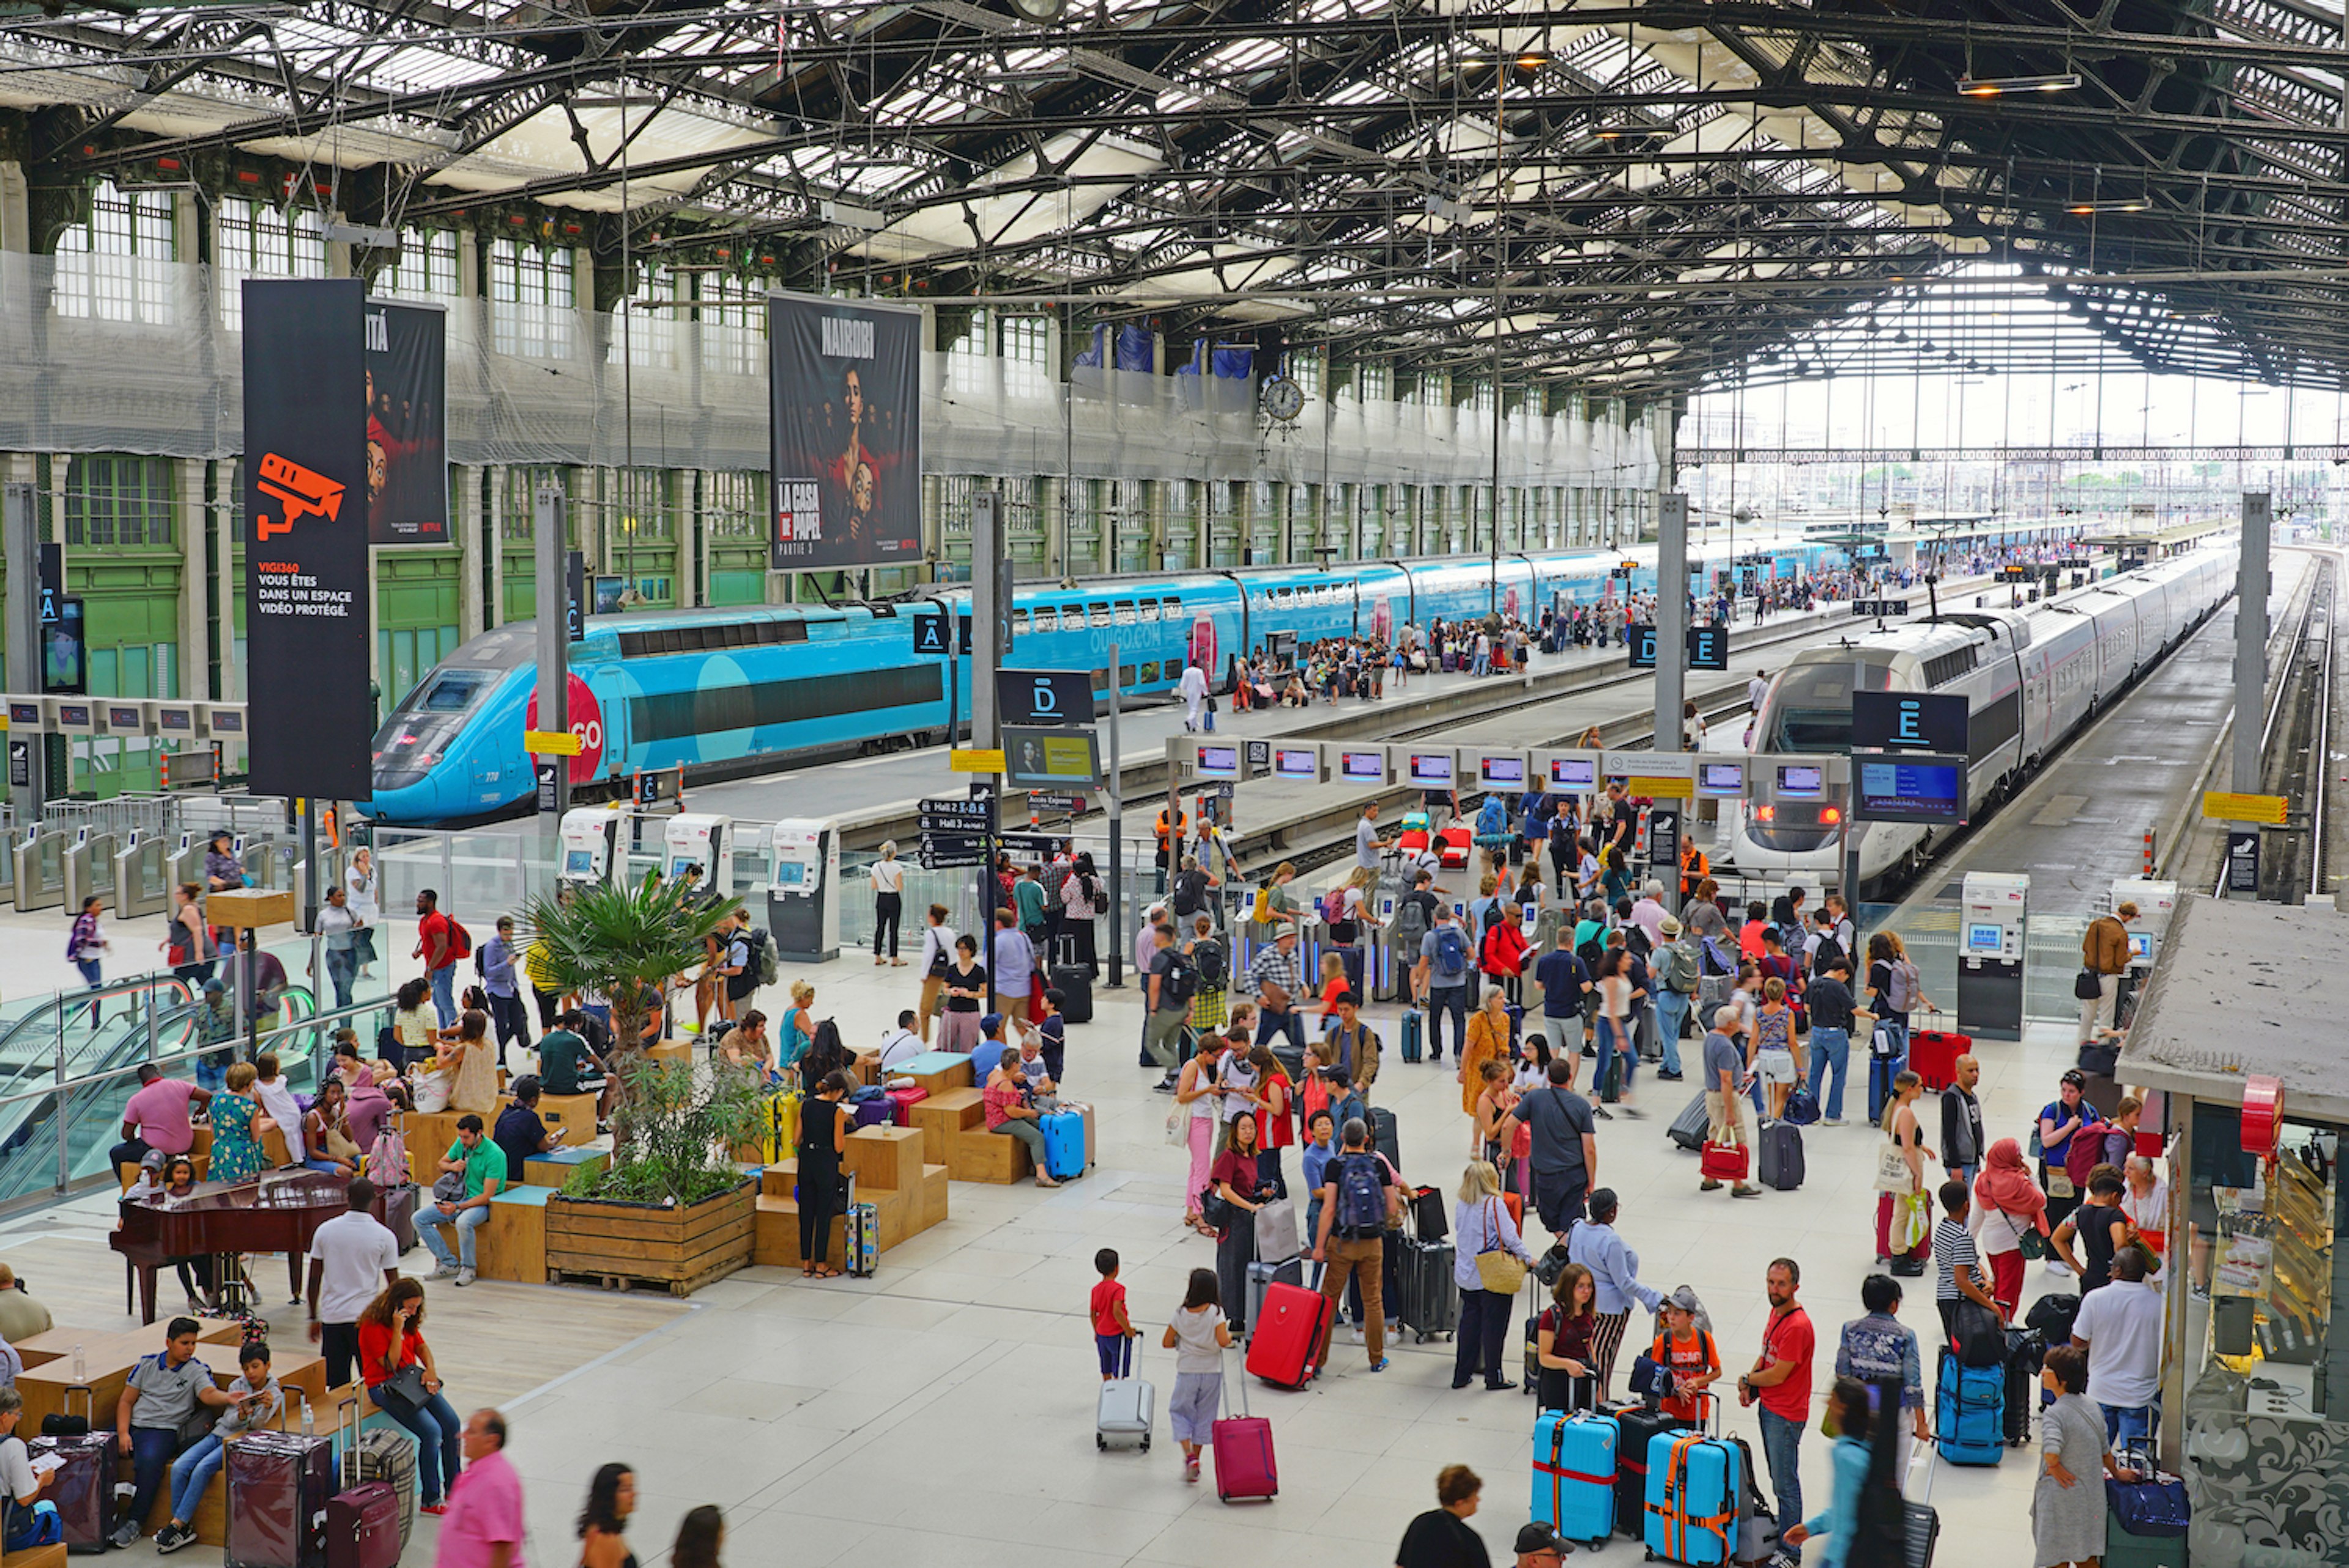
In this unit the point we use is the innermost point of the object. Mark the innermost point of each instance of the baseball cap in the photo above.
(990, 1024)
(1539, 1537)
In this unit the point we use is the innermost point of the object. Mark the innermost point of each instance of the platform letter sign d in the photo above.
(1044, 702)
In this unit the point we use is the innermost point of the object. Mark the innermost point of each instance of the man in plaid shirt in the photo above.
(1279, 984)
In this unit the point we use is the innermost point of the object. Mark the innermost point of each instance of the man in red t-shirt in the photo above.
(436, 944)
(1780, 1380)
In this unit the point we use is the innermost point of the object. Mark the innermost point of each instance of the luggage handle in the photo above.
(1924, 1456)
(1229, 1381)
(89, 1395)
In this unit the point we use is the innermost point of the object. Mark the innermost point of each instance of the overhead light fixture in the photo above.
(1992, 86)
(2130, 204)
(1033, 75)
(849, 216)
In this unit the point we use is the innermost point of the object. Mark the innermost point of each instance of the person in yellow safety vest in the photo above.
(1169, 844)
(1695, 866)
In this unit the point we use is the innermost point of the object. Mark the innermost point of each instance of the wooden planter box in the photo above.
(618, 1244)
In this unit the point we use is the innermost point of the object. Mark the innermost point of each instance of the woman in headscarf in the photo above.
(2008, 1206)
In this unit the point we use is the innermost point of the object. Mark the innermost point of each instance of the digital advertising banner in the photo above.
(844, 424)
(406, 400)
(307, 615)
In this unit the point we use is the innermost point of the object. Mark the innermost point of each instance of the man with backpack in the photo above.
(1442, 976)
(1172, 982)
(441, 943)
(1414, 916)
(1359, 1201)
(1676, 969)
(1280, 983)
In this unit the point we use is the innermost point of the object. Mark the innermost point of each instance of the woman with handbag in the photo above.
(405, 1385)
(2008, 1221)
(1563, 1345)
(1489, 1261)
(1900, 1182)
(1236, 1190)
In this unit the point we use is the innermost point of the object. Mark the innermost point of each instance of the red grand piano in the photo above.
(277, 1212)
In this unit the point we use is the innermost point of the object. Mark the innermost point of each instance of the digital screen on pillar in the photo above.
(175, 721)
(2141, 944)
(1801, 782)
(1981, 938)
(227, 722)
(123, 718)
(1930, 789)
(1574, 773)
(1218, 762)
(789, 874)
(1721, 778)
(24, 716)
(1363, 767)
(1507, 771)
(1297, 763)
(579, 863)
(1432, 769)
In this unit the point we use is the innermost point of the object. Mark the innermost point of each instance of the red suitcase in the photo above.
(363, 1527)
(1288, 1335)
(1933, 1055)
(1245, 1469)
(1453, 845)
(84, 1488)
(278, 1487)
(902, 1102)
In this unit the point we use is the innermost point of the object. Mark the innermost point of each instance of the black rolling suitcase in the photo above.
(279, 1484)
(2026, 1353)
(1429, 1305)
(1075, 985)
(1636, 1425)
(1780, 1156)
(1689, 1127)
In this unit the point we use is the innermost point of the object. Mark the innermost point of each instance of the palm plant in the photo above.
(629, 943)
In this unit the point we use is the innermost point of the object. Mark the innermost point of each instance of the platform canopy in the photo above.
(1639, 199)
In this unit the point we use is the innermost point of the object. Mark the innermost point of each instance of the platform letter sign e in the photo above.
(1909, 724)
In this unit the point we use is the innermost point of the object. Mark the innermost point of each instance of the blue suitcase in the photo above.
(1064, 1145)
(1694, 1486)
(1574, 1474)
(1969, 1411)
(1413, 1023)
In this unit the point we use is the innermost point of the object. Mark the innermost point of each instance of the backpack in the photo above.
(1261, 912)
(1826, 953)
(1900, 991)
(1208, 958)
(1591, 951)
(387, 1161)
(1680, 967)
(764, 962)
(1715, 961)
(2085, 1150)
(1451, 951)
(1362, 1199)
(1333, 906)
(1410, 924)
(1492, 819)
(460, 940)
(1180, 980)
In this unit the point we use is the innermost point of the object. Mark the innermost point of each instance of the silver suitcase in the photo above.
(1127, 1408)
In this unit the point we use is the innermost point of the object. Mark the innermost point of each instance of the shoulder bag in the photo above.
(1892, 1172)
(2085, 986)
(1502, 1272)
(403, 1391)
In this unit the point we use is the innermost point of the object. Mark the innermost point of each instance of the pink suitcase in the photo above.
(1246, 1471)
(902, 1102)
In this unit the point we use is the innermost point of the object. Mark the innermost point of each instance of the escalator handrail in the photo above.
(90, 1080)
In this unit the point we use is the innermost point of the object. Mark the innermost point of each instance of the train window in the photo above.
(453, 692)
(1148, 611)
(1174, 610)
(1097, 613)
(1124, 612)
(1047, 619)
(1125, 675)
(1101, 680)
(1018, 621)
(791, 631)
(1149, 673)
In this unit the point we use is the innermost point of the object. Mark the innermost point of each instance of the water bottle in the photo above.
(81, 1374)
(308, 1428)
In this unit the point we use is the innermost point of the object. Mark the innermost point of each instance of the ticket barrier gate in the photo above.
(142, 878)
(39, 856)
(333, 862)
(88, 868)
(186, 864)
(259, 859)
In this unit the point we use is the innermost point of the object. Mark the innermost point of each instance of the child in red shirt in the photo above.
(1114, 1331)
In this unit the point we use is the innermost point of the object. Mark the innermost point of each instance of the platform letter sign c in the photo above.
(1909, 730)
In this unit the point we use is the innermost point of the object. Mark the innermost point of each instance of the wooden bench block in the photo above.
(675, 1053)
(573, 1114)
(885, 1159)
(938, 1071)
(274, 1150)
(981, 1156)
(511, 1243)
(554, 1167)
(899, 1213)
(37, 1557)
(868, 1066)
(935, 1180)
(775, 1234)
(428, 1135)
(941, 1116)
(777, 1179)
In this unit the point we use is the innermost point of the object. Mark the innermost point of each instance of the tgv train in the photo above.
(2031, 678)
(741, 689)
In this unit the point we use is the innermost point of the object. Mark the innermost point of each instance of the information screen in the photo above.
(1803, 782)
(579, 863)
(1218, 762)
(1363, 767)
(1574, 773)
(1432, 769)
(1919, 789)
(2141, 944)
(1297, 763)
(1721, 778)
(1981, 938)
(789, 874)
(1509, 772)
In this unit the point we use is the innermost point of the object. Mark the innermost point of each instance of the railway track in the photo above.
(2293, 740)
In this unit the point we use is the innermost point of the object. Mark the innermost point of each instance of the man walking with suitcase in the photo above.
(483, 1525)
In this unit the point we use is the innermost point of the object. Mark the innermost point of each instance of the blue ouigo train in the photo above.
(739, 689)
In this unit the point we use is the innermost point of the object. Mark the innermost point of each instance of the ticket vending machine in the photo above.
(1989, 955)
(2156, 904)
(803, 889)
(691, 839)
(593, 844)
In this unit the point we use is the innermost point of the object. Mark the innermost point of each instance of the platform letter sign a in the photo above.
(929, 634)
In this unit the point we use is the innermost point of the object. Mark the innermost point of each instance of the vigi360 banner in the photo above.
(844, 413)
(307, 627)
(407, 397)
